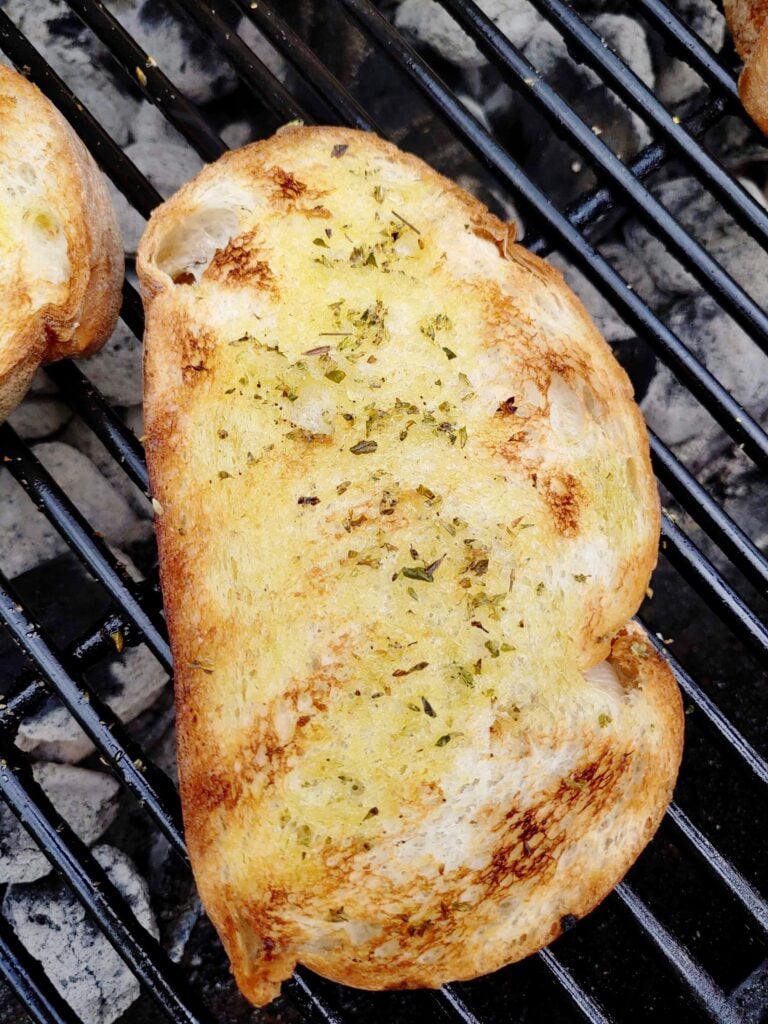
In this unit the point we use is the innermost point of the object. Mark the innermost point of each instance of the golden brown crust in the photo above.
(434, 744)
(748, 21)
(77, 316)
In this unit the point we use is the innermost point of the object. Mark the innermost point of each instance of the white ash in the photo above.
(151, 125)
(608, 321)
(57, 930)
(104, 508)
(167, 168)
(730, 355)
(263, 49)
(701, 214)
(535, 36)
(116, 369)
(676, 80)
(627, 37)
(430, 23)
(187, 57)
(40, 417)
(238, 133)
(133, 684)
(78, 57)
(87, 801)
(80, 436)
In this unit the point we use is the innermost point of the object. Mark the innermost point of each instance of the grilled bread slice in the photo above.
(61, 262)
(405, 512)
(748, 21)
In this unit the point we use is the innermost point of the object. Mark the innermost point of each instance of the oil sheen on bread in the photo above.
(405, 514)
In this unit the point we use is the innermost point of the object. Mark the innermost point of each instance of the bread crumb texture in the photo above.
(408, 513)
(61, 258)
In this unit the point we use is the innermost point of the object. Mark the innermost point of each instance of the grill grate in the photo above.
(136, 611)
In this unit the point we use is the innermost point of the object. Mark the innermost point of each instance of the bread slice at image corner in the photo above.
(748, 21)
(61, 258)
(405, 512)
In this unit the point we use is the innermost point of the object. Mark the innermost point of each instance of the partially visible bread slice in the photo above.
(748, 21)
(61, 262)
(406, 512)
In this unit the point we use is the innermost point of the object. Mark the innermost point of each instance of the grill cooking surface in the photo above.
(684, 934)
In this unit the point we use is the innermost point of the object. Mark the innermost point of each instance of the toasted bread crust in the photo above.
(748, 21)
(534, 787)
(83, 312)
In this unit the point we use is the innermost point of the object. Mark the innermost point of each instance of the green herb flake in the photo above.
(337, 376)
(336, 914)
(461, 435)
(321, 242)
(428, 709)
(576, 784)
(371, 813)
(364, 447)
(418, 667)
(581, 577)
(425, 575)
(224, 475)
(378, 194)
(466, 677)
(492, 647)
(340, 488)
(412, 573)
(450, 354)
(443, 740)
(604, 720)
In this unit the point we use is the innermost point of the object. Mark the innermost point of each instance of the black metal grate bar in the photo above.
(77, 866)
(80, 536)
(127, 760)
(311, 69)
(561, 115)
(719, 526)
(25, 975)
(143, 70)
(743, 207)
(701, 985)
(690, 48)
(749, 898)
(712, 395)
(585, 1004)
(732, 737)
(146, 781)
(259, 79)
(586, 210)
(449, 997)
(706, 581)
(90, 405)
(82, 654)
